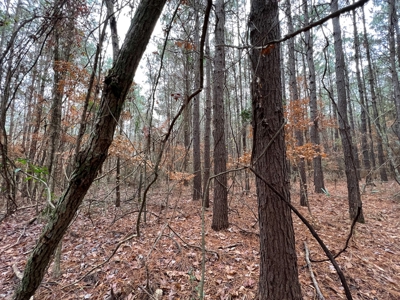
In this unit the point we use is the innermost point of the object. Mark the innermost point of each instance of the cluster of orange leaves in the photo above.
(296, 114)
(243, 160)
(185, 45)
(180, 176)
(123, 148)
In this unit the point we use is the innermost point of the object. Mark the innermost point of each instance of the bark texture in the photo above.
(278, 262)
(364, 112)
(220, 208)
(294, 96)
(319, 185)
(375, 114)
(353, 187)
(393, 23)
(207, 128)
(196, 116)
(89, 161)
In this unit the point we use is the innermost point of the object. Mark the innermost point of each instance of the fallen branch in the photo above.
(192, 246)
(313, 232)
(307, 257)
(347, 240)
(104, 262)
(17, 272)
(23, 231)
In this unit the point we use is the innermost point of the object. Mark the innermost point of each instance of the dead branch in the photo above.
(312, 230)
(192, 246)
(104, 262)
(353, 224)
(307, 257)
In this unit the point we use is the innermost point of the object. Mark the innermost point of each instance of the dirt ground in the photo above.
(167, 256)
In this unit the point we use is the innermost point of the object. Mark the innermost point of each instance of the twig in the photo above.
(42, 181)
(230, 246)
(17, 242)
(313, 232)
(17, 272)
(192, 246)
(148, 294)
(104, 262)
(307, 256)
(245, 231)
(306, 28)
(348, 237)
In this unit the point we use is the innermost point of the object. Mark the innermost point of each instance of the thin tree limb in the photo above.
(305, 28)
(314, 280)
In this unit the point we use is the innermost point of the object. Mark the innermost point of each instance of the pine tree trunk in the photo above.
(294, 96)
(207, 128)
(220, 208)
(375, 114)
(278, 265)
(353, 187)
(393, 21)
(364, 111)
(319, 185)
(90, 160)
(196, 117)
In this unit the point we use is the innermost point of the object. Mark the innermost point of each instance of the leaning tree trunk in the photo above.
(278, 261)
(353, 187)
(90, 160)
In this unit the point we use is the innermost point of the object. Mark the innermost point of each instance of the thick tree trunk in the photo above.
(353, 187)
(278, 265)
(220, 208)
(90, 160)
(319, 185)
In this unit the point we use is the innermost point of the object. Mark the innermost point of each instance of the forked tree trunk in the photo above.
(278, 261)
(90, 160)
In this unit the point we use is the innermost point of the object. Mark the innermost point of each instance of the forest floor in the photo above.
(167, 256)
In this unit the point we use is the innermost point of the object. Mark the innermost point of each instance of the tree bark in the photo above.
(278, 265)
(90, 160)
(353, 187)
(196, 116)
(375, 114)
(364, 112)
(207, 128)
(220, 208)
(393, 21)
(294, 96)
(319, 185)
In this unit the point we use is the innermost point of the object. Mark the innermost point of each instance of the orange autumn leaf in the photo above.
(268, 49)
